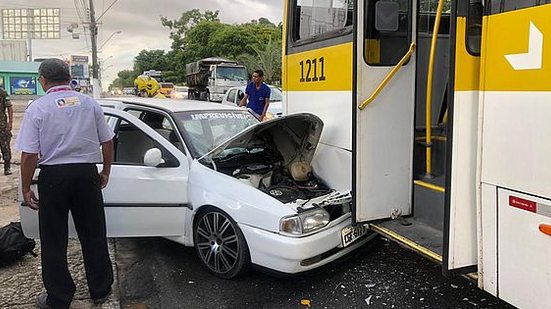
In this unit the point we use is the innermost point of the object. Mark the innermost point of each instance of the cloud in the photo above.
(139, 23)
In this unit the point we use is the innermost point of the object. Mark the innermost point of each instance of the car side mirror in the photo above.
(153, 157)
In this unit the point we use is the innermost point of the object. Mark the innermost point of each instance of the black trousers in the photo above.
(75, 188)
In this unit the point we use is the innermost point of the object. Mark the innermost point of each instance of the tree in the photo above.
(188, 20)
(198, 38)
(151, 60)
(266, 57)
(231, 41)
(196, 35)
(125, 78)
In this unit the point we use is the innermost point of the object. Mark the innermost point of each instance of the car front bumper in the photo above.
(294, 255)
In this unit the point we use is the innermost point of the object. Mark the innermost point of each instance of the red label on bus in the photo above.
(522, 203)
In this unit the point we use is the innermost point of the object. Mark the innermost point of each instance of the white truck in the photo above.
(208, 79)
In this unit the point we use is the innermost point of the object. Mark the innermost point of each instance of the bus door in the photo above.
(460, 249)
(514, 152)
(396, 175)
(384, 116)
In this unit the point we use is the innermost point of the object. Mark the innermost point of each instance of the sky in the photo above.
(139, 24)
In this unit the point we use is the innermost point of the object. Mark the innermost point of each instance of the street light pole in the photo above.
(109, 38)
(93, 35)
(29, 34)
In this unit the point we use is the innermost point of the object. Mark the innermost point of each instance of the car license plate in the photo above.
(351, 233)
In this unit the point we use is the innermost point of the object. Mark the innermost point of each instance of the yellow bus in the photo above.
(436, 118)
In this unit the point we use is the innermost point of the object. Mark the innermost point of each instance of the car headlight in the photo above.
(304, 222)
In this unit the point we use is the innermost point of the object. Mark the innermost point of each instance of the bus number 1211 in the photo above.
(310, 67)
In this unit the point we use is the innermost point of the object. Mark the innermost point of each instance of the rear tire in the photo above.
(220, 244)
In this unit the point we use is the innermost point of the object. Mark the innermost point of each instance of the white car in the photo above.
(234, 95)
(179, 92)
(213, 177)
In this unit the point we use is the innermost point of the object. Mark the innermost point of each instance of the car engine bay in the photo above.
(265, 171)
(275, 157)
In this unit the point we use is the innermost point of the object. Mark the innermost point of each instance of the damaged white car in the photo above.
(211, 176)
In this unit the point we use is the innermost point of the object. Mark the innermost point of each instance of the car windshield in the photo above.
(205, 130)
(231, 73)
(276, 94)
(167, 85)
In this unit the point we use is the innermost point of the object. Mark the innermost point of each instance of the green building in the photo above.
(20, 79)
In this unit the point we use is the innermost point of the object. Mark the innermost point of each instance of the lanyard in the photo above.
(58, 89)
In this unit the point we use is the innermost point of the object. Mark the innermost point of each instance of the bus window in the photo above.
(501, 6)
(315, 18)
(427, 16)
(474, 27)
(386, 46)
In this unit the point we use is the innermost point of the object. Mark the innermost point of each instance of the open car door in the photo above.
(140, 200)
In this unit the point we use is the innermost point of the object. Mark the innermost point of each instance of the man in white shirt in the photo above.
(61, 132)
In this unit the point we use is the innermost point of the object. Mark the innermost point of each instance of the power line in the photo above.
(110, 6)
(79, 10)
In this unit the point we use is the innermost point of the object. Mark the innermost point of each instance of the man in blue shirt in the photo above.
(258, 94)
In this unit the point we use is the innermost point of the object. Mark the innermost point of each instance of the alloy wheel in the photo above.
(218, 243)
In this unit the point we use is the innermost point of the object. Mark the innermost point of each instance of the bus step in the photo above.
(428, 201)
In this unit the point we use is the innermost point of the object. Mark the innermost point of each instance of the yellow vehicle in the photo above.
(166, 89)
(436, 118)
(147, 86)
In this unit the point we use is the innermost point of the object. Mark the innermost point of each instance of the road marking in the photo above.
(532, 60)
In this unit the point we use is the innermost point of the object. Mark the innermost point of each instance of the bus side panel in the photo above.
(333, 164)
(462, 231)
(324, 89)
(319, 81)
(333, 158)
(487, 237)
(523, 259)
(515, 151)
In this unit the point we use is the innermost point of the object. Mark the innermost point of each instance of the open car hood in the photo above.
(295, 136)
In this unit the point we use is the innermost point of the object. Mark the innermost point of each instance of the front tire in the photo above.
(220, 243)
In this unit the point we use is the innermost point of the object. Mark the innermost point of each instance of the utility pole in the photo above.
(29, 35)
(94, 36)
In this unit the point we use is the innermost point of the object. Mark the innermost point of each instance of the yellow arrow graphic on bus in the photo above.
(532, 60)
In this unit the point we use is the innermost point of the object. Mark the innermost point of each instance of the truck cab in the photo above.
(208, 79)
(223, 77)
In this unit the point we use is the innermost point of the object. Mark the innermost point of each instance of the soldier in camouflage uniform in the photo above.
(6, 121)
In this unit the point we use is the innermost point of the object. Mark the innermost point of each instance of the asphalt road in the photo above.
(157, 273)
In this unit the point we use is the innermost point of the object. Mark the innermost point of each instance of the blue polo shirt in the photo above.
(257, 97)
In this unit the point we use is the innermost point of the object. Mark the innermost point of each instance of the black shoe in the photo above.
(42, 301)
(101, 300)
(7, 171)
